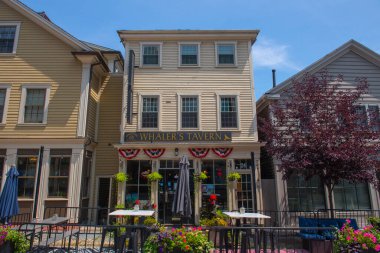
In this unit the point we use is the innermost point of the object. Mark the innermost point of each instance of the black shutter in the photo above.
(131, 73)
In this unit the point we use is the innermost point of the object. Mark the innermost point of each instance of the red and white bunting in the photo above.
(222, 152)
(129, 153)
(199, 152)
(154, 152)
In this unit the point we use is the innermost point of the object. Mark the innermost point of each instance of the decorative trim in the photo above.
(85, 86)
(7, 88)
(199, 152)
(154, 152)
(222, 152)
(129, 153)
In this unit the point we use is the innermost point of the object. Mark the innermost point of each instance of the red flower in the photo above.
(154, 206)
(213, 197)
(137, 202)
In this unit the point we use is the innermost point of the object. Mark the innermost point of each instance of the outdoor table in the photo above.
(50, 222)
(139, 213)
(238, 216)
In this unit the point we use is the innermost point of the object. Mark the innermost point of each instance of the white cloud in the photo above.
(267, 53)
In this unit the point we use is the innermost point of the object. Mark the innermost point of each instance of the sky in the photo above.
(293, 33)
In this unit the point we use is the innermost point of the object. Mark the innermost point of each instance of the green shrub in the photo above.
(233, 176)
(154, 176)
(121, 177)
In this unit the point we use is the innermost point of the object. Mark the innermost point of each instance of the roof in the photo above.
(188, 34)
(350, 45)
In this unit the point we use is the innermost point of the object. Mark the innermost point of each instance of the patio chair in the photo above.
(119, 240)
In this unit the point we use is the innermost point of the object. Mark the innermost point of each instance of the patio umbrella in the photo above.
(182, 199)
(8, 198)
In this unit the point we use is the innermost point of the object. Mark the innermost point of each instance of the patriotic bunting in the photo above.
(199, 152)
(154, 152)
(222, 152)
(129, 153)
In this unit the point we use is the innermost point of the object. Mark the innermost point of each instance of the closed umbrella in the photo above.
(182, 199)
(8, 198)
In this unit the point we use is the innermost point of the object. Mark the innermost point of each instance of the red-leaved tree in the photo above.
(317, 128)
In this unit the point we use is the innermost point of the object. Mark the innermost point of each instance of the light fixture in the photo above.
(176, 151)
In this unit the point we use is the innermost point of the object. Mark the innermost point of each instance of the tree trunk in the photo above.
(331, 202)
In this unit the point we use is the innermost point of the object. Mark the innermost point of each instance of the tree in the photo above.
(317, 128)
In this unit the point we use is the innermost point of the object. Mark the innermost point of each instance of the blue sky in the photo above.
(294, 33)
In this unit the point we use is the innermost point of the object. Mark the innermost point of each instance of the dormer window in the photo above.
(151, 54)
(9, 37)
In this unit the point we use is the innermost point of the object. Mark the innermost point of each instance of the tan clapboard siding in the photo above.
(41, 58)
(351, 66)
(109, 125)
(92, 106)
(206, 80)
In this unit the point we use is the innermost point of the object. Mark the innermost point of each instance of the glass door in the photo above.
(166, 192)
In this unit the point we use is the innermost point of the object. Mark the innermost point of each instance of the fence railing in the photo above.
(81, 215)
(20, 218)
(90, 238)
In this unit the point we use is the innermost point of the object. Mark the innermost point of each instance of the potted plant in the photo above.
(351, 240)
(200, 177)
(121, 177)
(154, 177)
(137, 205)
(12, 240)
(178, 241)
(233, 177)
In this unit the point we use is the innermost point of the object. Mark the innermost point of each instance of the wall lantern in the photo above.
(176, 151)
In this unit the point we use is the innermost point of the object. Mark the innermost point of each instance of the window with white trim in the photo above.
(34, 104)
(226, 54)
(3, 94)
(8, 37)
(228, 112)
(189, 54)
(151, 55)
(59, 173)
(149, 114)
(189, 112)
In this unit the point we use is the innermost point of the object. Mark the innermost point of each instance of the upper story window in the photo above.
(4, 99)
(226, 53)
(8, 37)
(228, 112)
(189, 112)
(189, 54)
(34, 104)
(369, 115)
(149, 115)
(151, 54)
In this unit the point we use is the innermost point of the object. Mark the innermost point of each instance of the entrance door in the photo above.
(166, 191)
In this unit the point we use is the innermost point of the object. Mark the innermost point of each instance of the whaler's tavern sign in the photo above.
(178, 136)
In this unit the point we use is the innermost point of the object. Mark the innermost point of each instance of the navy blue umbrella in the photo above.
(8, 198)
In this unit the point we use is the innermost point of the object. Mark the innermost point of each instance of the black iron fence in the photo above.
(81, 215)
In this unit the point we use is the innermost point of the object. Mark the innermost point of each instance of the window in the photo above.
(151, 55)
(3, 153)
(189, 112)
(189, 54)
(216, 182)
(226, 54)
(27, 160)
(228, 112)
(305, 195)
(137, 185)
(3, 93)
(59, 173)
(8, 37)
(351, 196)
(149, 117)
(34, 104)
(374, 117)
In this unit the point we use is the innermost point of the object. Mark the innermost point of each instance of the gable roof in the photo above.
(350, 45)
(47, 25)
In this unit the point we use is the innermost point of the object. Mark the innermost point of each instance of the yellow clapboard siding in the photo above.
(109, 125)
(41, 58)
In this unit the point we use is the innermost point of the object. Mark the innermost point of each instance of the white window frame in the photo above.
(218, 110)
(15, 43)
(180, 44)
(179, 111)
(142, 44)
(23, 101)
(68, 177)
(234, 43)
(142, 95)
(6, 102)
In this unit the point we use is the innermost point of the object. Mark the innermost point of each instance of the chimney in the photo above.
(274, 77)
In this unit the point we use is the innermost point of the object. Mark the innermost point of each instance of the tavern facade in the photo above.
(189, 93)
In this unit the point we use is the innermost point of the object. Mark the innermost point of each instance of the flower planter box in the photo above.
(7, 247)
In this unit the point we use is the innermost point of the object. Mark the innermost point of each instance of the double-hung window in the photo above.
(226, 53)
(228, 112)
(189, 112)
(3, 94)
(34, 104)
(189, 54)
(151, 55)
(149, 114)
(59, 173)
(8, 37)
